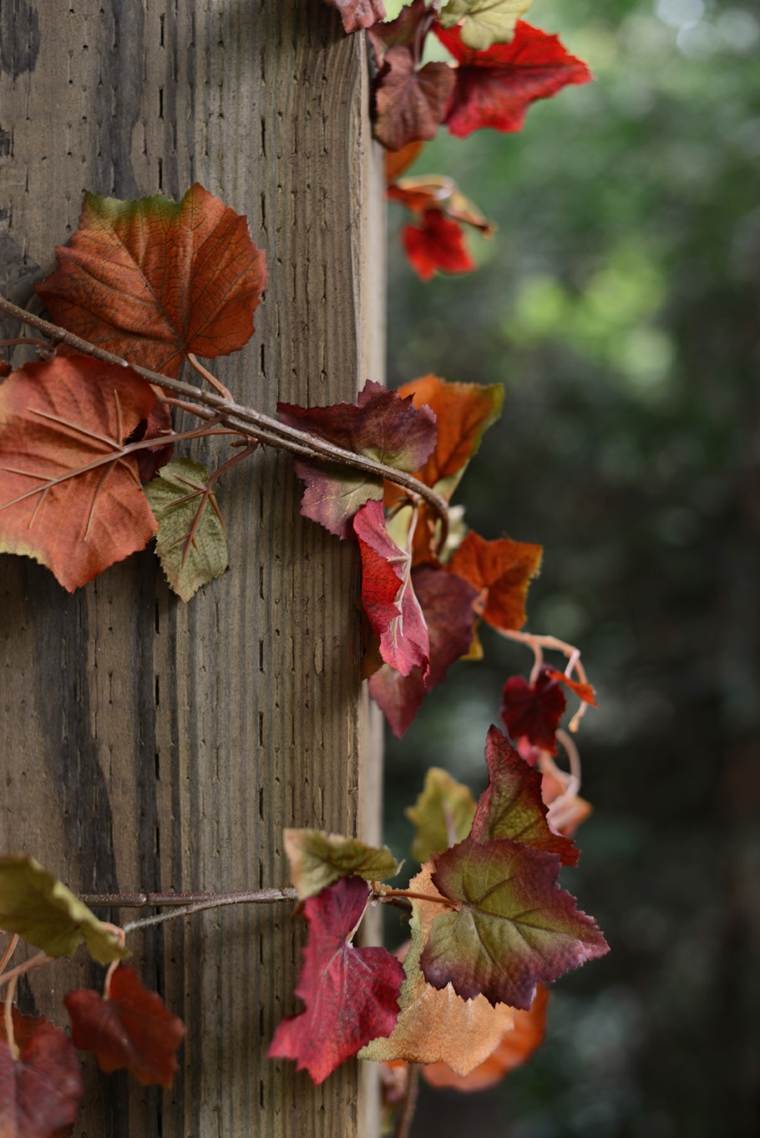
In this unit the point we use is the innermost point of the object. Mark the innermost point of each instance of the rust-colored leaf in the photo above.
(69, 495)
(411, 102)
(152, 280)
(40, 1091)
(503, 571)
(397, 161)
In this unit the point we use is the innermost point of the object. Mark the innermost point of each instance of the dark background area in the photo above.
(618, 303)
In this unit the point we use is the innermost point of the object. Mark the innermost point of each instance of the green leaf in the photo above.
(39, 908)
(318, 860)
(442, 814)
(484, 22)
(191, 541)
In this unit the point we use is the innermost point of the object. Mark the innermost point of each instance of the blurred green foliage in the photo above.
(619, 304)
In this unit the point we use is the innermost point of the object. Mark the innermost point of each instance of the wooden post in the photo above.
(147, 744)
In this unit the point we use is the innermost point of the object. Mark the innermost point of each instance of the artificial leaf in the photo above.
(436, 246)
(380, 425)
(351, 994)
(447, 606)
(41, 1090)
(191, 541)
(317, 860)
(397, 161)
(533, 711)
(39, 908)
(438, 192)
(388, 595)
(437, 1026)
(512, 806)
(131, 1029)
(584, 691)
(153, 280)
(516, 1047)
(442, 814)
(495, 88)
(514, 926)
(567, 810)
(484, 22)
(404, 31)
(358, 14)
(69, 496)
(411, 102)
(502, 571)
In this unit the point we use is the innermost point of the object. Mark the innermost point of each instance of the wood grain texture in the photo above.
(147, 744)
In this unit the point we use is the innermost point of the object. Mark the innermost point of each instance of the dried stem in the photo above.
(244, 420)
(409, 1103)
(8, 954)
(10, 1035)
(38, 961)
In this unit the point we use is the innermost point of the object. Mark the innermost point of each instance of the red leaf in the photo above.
(40, 1092)
(68, 496)
(436, 246)
(152, 280)
(494, 88)
(438, 192)
(447, 606)
(358, 14)
(503, 571)
(533, 711)
(411, 103)
(158, 423)
(585, 692)
(388, 594)
(380, 425)
(351, 994)
(512, 805)
(132, 1029)
(5, 368)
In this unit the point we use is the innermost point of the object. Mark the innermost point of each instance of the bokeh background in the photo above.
(619, 305)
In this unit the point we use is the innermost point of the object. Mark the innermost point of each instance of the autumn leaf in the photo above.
(158, 423)
(441, 816)
(404, 31)
(388, 595)
(380, 425)
(358, 14)
(514, 926)
(317, 860)
(447, 606)
(351, 994)
(533, 711)
(153, 280)
(502, 571)
(512, 805)
(39, 908)
(131, 1029)
(516, 1047)
(436, 246)
(397, 161)
(437, 1026)
(484, 22)
(191, 541)
(584, 691)
(411, 102)
(438, 192)
(69, 496)
(40, 1091)
(495, 88)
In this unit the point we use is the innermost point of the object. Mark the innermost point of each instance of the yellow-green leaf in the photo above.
(192, 541)
(39, 908)
(318, 859)
(484, 22)
(442, 814)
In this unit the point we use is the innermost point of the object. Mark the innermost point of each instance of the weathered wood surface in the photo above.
(146, 744)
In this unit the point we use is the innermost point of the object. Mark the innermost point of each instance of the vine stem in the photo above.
(8, 954)
(409, 1103)
(243, 420)
(38, 961)
(10, 1035)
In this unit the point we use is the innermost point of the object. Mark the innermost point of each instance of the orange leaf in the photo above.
(69, 497)
(503, 570)
(152, 280)
(397, 161)
(516, 1046)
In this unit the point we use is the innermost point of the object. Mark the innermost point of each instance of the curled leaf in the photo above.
(39, 908)
(442, 814)
(483, 22)
(317, 860)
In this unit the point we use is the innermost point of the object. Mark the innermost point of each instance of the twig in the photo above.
(209, 376)
(245, 420)
(184, 900)
(10, 1035)
(409, 1103)
(8, 954)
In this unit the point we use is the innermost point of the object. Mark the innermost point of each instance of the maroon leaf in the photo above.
(447, 606)
(388, 595)
(351, 994)
(358, 14)
(132, 1029)
(40, 1092)
(411, 102)
(533, 711)
(380, 425)
(494, 88)
(404, 31)
(437, 245)
(512, 805)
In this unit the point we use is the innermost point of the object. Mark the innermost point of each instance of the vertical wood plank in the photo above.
(147, 744)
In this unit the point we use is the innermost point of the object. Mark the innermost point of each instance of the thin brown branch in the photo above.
(245, 420)
(409, 1102)
(184, 900)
